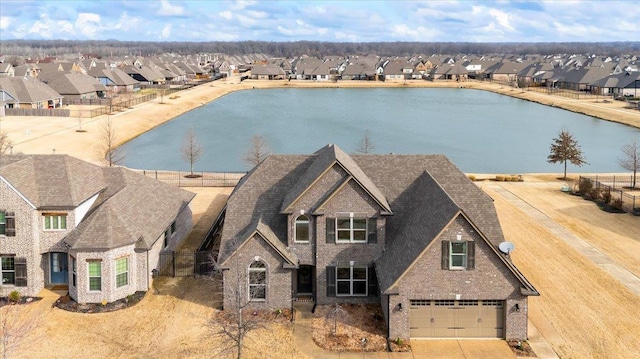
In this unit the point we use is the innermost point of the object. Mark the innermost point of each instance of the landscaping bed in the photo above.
(68, 304)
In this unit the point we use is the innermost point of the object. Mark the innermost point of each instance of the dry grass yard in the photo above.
(582, 311)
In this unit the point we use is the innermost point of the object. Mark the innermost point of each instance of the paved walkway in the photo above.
(616, 271)
(449, 349)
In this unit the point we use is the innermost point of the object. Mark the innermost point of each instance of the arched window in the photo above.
(301, 229)
(257, 281)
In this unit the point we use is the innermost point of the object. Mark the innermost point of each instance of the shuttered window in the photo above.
(21, 272)
(458, 255)
(10, 230)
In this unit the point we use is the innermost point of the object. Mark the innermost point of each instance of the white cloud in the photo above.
(88, 25)
(5, 21)
(167, 9)
(166, 32)
(241, 4)
(404, 31)
(226, 14)
(501, 17)
(343, 36)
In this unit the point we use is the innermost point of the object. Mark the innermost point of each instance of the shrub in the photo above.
(500, 178)
(606, 196)
(594, 194)
(472, 177)
(617, 204)
(14, 296)
(585, 186)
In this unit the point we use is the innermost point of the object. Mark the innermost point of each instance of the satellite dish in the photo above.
(506, 247)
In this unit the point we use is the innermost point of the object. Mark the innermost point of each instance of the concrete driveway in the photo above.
(461, 349)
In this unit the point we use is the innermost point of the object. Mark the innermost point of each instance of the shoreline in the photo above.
(40, 135)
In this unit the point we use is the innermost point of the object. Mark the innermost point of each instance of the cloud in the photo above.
(241, 4)
(88, 25)
(166, 31)
(167, 9)
(226, 14)
(5, 21)
(501, 17)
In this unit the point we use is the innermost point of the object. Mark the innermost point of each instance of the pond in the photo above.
(479, 131)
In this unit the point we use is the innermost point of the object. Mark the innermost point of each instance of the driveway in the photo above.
(461, 349)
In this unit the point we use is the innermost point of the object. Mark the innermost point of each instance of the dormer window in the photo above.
(301, 229)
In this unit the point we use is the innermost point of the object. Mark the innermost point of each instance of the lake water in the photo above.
(479, 131)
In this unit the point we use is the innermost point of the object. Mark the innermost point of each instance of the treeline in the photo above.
(41, 48)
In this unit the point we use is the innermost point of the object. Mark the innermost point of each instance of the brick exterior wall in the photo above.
(23, 244)
(279, 280)
(351, 198)
(489, 280)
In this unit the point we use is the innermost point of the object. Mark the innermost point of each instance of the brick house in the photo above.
(410, 232)
(97, 231)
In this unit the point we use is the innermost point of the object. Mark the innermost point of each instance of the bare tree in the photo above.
(630, 159)
(15, 325)
(109, 150)
(565, 149)
(365, 145)
(233, 325)
(191, 150)
(81, 113)
(258, 150)
(335, 315)
(6, 146)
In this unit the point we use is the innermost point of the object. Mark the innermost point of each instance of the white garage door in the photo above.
(456, 318)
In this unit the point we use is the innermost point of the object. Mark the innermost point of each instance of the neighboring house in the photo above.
(6, 70)
(624, 84)
(74, 85)
(97, 230)
(410, 232)
(267, 72)
(116, 80)
(454, 72)
(23, 92)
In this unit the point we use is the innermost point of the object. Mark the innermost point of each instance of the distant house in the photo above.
(74, 85)
(623, 84)
(21, 92)
(412, 233)
(98, 231)
(451, 72)
(116, 80)
(267, 72)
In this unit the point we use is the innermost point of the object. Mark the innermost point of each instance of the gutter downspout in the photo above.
(388, 322)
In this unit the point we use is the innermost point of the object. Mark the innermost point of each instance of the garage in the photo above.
(456, 318)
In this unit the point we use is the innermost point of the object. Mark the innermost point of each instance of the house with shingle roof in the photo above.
(26, 92)
(116, 80)
(73, 85)
(98, 231)
(267, 72)
(410, 232)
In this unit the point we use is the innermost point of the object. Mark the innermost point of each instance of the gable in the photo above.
(490, 278)
(348, 197)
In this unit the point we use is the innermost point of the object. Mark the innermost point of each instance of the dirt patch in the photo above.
(350, 327)
(68, 304)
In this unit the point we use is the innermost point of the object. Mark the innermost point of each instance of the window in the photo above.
(301, 229)
(7, 224)
(167, 234)
(351, 230)
(8, 269)
(351, 281)
(95, 276)
(458, 255)
(55, 221)
(257, 281)
(73, 271)
(122, 272)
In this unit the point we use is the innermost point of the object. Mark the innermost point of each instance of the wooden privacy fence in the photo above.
(53, 112)
(199, 179)
(617, 186)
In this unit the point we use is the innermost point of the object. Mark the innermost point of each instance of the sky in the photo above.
(332, 21)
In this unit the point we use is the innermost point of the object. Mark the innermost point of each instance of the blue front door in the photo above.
(59, 269)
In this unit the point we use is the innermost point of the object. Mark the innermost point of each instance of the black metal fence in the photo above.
(580, 95)
(618, 186)
(197, 179)
(186, 263)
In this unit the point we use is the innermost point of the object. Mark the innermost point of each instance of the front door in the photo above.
(59, 269)
(305, 280)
